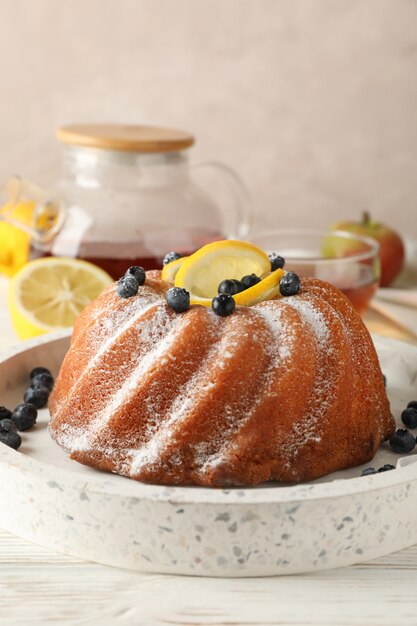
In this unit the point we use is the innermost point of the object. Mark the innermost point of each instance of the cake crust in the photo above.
(287, 390)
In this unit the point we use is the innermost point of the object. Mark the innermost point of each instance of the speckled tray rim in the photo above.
(406, 469)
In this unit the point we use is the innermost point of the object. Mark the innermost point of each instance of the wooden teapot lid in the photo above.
(125, 138)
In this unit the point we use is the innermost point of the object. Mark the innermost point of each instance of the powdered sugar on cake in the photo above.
(186, 398)
(278, 342)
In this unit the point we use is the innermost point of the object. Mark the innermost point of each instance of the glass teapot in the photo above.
(129, 195)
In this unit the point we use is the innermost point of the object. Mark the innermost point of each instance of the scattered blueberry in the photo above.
(5, 413)
(289, 284)
(9, 435)
(386, 468)
(412, 405)
(24, 416)
(231, 287)
(171, 256)
(223, 304)
(8, 426)
(178, 299)
(127, 287)
(37, 395)
(409, 417)
(45, 379)
(277, 262)
(39, 370)
(368, 471)
(250, 280)
(384, 378)
(402, 441)
(137, 272)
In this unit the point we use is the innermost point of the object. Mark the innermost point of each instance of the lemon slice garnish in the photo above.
(202, 272)
(169, 271)
(266, 289)
(48, 294)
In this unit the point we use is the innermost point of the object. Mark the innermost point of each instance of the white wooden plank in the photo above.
(38, 586)
(14, 550)
(116, 597)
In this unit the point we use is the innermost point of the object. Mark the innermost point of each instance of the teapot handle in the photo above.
(242, 206)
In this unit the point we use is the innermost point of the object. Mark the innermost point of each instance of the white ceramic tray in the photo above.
(339, 520)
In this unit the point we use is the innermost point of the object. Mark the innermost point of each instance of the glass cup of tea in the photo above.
(350, 262)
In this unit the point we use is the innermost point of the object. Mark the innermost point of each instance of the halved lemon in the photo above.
(202, 272)
(169, 271)
(14, 242)
(14, 248)
(48, 294)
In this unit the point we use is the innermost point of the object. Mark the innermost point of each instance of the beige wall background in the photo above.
(314, 102)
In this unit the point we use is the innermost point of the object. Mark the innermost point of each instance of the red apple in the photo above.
(391, 247)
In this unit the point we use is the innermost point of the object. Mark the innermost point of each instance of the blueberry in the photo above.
(127, 287)
(277, 262)
(402, 441)
(231, 287)
(289, 284)
(227, 286)
(5, 413)
(7, 426)
(412, 405)
(178, 299)
(368, 471)
(24, 416)
(386, 468)
(9, 435)
(37, 395)
(223, 304)
(250, 280)
(43, 380)
(137, 272)
(171, 256)
(239, 285)
(39, 370)
(409, 417)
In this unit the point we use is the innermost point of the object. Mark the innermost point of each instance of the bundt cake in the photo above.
(289, 389)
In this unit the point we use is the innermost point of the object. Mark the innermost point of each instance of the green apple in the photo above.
(391, 247)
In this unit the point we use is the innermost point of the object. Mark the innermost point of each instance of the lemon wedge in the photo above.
(202, 272)
(266, 289)
(169, 271)
(48, 294)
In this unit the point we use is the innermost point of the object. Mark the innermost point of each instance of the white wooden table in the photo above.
(38, 586)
